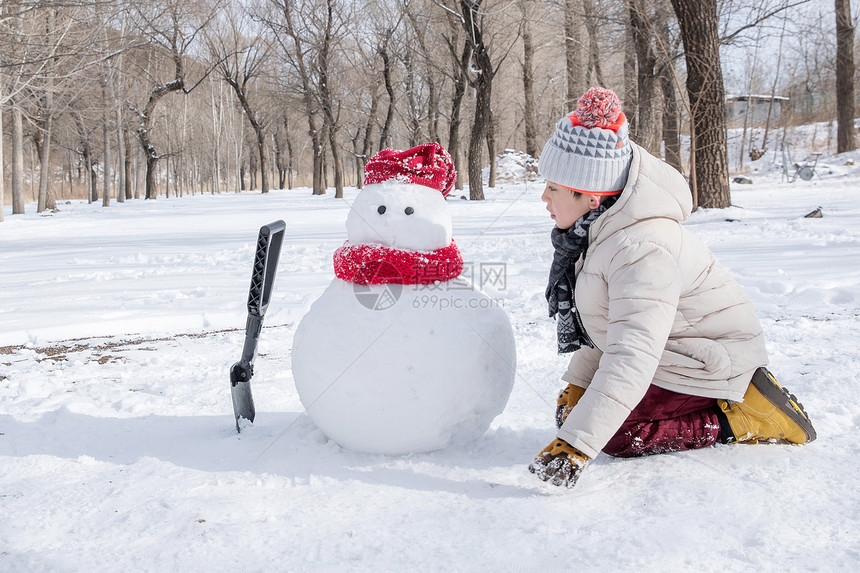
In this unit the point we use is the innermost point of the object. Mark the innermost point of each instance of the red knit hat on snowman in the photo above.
(428, 164)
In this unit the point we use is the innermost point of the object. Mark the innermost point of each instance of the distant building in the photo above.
(737, 106)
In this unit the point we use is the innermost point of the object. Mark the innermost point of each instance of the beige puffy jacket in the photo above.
(659, 308)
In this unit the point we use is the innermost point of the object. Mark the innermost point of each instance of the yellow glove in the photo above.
(567, 399)
(559, 462)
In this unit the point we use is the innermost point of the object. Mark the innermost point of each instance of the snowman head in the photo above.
(403, 202)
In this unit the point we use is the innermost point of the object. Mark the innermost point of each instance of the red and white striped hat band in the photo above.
(589, 151)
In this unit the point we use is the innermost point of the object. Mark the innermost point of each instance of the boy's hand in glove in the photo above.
(560, 463)
(567, 399)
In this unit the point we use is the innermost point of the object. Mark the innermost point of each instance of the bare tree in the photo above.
(332, 27)
(529, 107)
(709, 169)
(459, 55)
(383, 48)
(479, 71)
(300, 49)
(85, 151)
(240, 54)
(846, 137)
(647, 130)
(576, 80)
(593, 27)
(426, 70)
(172, 28)
(367, 51)
(667, 44)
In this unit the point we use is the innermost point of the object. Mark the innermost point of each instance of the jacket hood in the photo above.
(653, 190)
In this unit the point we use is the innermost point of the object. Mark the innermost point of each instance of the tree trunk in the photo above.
(279, 160)
(319, 182)
(529, 107)
(846, 139)
(576, 80)
(106, 186)
(92, 181)
(491, 149)
(593, 27)
(411, 102)
(389, 89)
(328, 101)
(127, 168)
(17, 161)
(151, 156)
(46, 196)
(433, 112)
(336, 163)
(289, 153)
(773, 88)
(216, 136)
(356, 154)
(316, 142)
(2, 173)
(482, 82)
(671, 127)
(666, 77)
(420, 29)
(456, 108)
(261, 148)
(630, 98)
(120, 157)
(479, 129)
(143, 132)
(256, 125)
(368, 135)
(646, 127)
(709, 170)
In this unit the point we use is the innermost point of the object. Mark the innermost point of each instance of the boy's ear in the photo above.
(593, 202)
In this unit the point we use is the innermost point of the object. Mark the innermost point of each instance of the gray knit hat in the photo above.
(590, 151)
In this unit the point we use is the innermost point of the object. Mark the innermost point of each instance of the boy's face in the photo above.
(565, 206)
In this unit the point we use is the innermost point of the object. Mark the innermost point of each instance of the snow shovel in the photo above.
(262, 278)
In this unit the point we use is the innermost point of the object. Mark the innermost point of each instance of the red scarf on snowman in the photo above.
(429, 165)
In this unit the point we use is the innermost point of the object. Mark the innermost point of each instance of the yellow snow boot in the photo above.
(769, 413)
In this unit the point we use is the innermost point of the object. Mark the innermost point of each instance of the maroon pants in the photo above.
(665, 421)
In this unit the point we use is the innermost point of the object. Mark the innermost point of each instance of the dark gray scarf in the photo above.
(569, 244)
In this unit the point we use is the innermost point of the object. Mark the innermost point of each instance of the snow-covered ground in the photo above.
(118, 450)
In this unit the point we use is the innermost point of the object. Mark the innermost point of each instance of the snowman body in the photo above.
(399, 368)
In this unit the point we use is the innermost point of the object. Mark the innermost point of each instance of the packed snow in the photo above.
(118, 450)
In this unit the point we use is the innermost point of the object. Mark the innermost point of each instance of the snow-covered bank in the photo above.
(118, 452)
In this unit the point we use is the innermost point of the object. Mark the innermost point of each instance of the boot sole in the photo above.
(787, 403)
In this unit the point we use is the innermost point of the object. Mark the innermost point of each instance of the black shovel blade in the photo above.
(240, 391)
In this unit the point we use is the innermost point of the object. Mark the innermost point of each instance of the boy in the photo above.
(669, 354)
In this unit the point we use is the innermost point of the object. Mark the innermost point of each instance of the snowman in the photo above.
(399, 354)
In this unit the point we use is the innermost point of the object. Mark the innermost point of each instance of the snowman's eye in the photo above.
(381, 209)
(409, 210)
